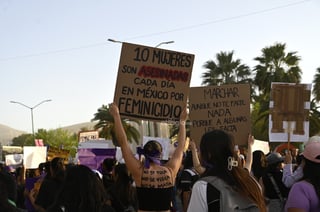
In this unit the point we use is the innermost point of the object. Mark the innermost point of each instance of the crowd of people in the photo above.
(211, 176)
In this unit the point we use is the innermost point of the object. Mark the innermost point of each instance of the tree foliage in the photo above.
(57, 138)
(105, 126)
(225, 70)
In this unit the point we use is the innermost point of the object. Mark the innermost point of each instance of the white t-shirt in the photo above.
(198, 200)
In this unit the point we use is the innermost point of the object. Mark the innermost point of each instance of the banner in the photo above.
(94, 157)
(88, 135)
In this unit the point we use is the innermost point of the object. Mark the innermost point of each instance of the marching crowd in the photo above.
(213, 176)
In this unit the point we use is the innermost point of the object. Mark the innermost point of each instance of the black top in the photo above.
(154, 199)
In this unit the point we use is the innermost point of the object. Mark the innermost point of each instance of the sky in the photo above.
(59, 50)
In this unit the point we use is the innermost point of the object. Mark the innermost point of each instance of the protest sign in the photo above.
(225, 107)
(152, 83)
(33, 156)
(14, 159)
(289, 112)
(261, 145)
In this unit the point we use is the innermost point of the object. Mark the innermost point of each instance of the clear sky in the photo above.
(59, 50)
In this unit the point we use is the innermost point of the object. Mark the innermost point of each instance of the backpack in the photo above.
(186, 177)
(230, 200)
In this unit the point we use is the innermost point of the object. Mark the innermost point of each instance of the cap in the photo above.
(274, 157)
(312, 152)
(312, 140)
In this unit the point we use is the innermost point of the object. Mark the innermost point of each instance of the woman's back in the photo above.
(151, 177)
(156, 189)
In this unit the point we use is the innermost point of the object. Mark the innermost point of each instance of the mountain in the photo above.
(8, 133)
(76, 128)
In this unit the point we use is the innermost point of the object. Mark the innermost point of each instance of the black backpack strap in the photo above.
(275, 186)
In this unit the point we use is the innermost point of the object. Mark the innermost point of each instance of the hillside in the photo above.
(76, 128)
(8, 133)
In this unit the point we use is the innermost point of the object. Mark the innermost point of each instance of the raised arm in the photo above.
(248, 163)
(176, 159)
(195, 158)
(289, 177)
(133, 164)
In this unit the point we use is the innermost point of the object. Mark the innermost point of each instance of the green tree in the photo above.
(105, 126)
(60, 138)
(275, 65)
(57, 138)
(225, 70)
(316, 85)
(314, 118)
(23, 140)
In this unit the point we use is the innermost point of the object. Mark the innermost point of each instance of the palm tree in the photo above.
(314, 118)
(316, 85)
(225, 70)
(275, 65)
(106, 126)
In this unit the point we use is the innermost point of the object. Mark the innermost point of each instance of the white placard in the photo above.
(33, 156)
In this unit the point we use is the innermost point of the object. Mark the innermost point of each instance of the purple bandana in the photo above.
(154, 157)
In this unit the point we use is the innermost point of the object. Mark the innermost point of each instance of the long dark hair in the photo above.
(259, 164)
(81, 191)
(311, 173)
(123, 185)
(216, 147)
(57, 169)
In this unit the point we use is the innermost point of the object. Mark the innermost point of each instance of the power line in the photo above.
(221, 20)
(158, 33)
(52, 52)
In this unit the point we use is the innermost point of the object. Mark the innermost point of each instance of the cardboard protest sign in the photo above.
(289, 112)
(225, 107)
(152, 83)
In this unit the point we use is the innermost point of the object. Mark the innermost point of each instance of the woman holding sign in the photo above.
(154, 182)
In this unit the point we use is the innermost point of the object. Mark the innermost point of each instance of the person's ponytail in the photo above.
(249, 187)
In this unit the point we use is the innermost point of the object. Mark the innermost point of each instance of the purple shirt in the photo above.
(303, 195)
